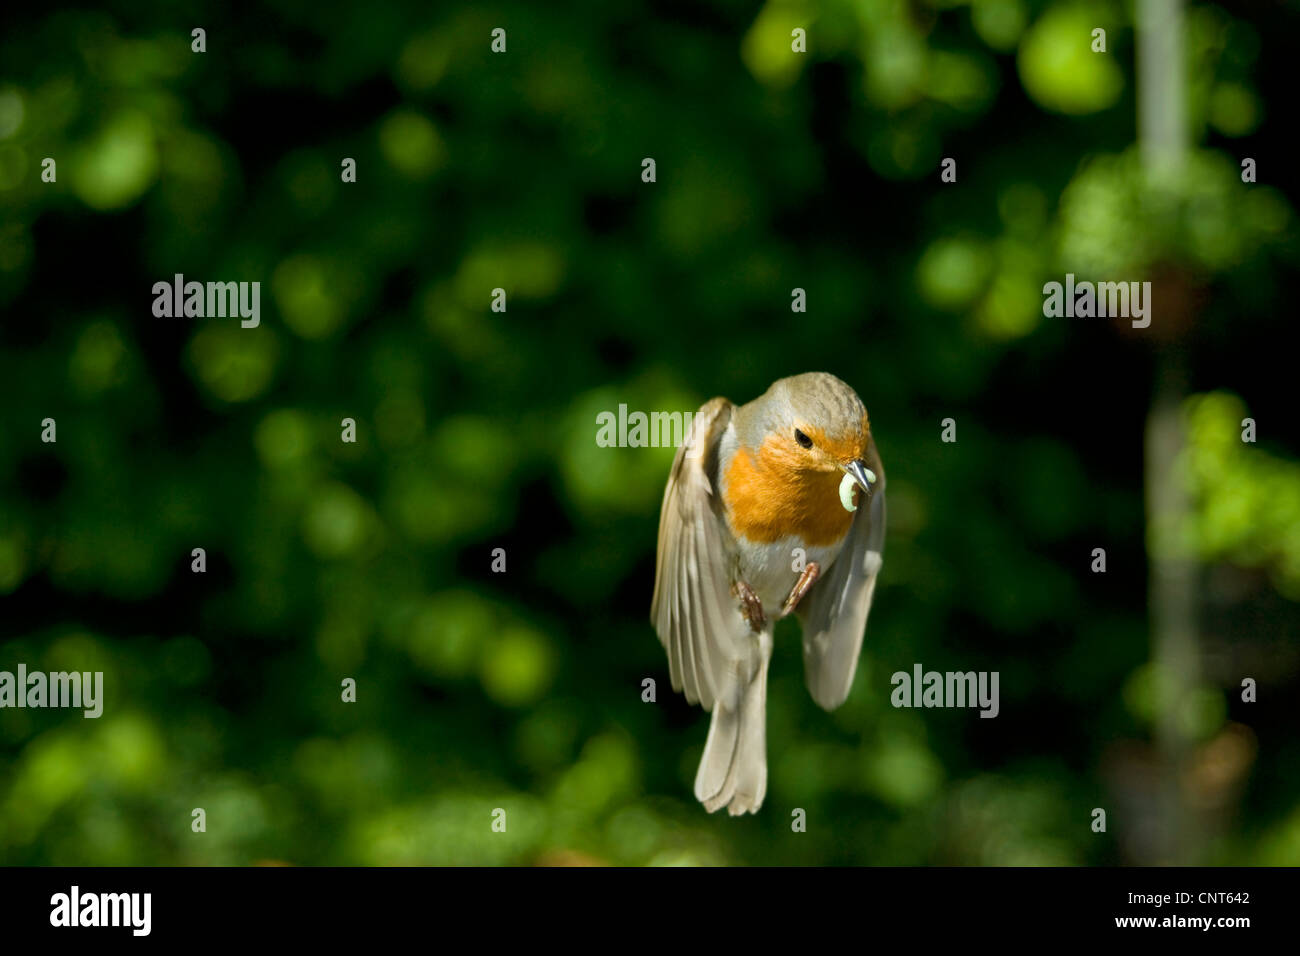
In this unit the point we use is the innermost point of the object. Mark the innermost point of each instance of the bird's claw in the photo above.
(812, 570)
(751, 607)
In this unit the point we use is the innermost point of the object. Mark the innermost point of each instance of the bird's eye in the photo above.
(802, 439)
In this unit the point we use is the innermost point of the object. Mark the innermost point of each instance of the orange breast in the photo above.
(770, 496)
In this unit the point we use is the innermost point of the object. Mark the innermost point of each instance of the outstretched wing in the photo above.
(697, 619)
(834, 614)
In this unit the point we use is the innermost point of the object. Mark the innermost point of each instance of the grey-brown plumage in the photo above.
(744, 493)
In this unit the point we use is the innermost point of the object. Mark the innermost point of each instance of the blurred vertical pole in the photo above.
(1162, 133)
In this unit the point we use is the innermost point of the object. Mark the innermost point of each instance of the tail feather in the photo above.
(733, 770)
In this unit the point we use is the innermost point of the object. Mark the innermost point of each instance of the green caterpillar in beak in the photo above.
(846, 488)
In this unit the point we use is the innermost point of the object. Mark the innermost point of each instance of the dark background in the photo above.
(476, 429)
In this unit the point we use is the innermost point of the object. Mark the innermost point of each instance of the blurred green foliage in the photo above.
(476, 429)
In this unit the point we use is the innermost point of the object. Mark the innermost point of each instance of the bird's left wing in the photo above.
(710, 653)
(834, 614)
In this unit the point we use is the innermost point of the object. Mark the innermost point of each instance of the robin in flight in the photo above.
(763, 516)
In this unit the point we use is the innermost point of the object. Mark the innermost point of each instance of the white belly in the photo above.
(770, 568)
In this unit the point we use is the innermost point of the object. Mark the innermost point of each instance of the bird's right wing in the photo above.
(834, 614)
(711, 654)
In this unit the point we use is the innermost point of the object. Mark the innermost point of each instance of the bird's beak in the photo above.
(863, 475)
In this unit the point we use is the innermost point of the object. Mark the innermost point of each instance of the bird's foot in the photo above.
(812, 570)
(750, 606)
